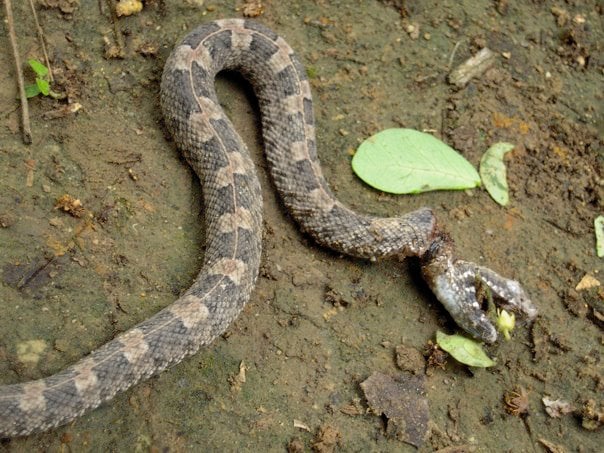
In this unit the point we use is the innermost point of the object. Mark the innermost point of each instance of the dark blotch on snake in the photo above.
(219, 44)
(200, 81)
(196, 36)
(263, 47)
(285, 85)
(256, 26)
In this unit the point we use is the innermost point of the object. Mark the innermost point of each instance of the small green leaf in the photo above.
(43, 86)
(464, 350)
(31, 91)
(599, 227)
(409, 161)
(493, 174)
(39, 68)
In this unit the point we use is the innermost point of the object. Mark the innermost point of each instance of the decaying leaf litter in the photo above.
(546, 237)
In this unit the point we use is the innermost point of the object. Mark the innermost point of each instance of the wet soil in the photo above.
(318, 324)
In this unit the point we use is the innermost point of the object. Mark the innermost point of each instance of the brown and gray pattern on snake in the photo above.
(233, 206)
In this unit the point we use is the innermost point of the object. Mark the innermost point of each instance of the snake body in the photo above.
(233, 216)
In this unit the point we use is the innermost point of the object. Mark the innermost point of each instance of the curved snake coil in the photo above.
(233, 210)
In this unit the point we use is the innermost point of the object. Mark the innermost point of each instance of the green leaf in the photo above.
(464, 350)
(39, 68)
(409, 161)
(31, 91)
(493, 174)
(599, 227)
(43, 86)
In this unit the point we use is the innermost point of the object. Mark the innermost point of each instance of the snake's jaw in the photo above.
(507, 293)
(455, 283)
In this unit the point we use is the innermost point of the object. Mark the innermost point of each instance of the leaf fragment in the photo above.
(493, 173)
(587, 282)
(39, 68)
(408, 161)
(43, 86)
(31, 91)
(556, 408)
(464, 350)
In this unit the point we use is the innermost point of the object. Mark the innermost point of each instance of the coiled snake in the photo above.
(233, 212)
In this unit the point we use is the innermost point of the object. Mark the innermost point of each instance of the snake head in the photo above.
(457, 285)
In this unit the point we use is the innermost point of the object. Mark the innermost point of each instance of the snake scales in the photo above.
(233, 206)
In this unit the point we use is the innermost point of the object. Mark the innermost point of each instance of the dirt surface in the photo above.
(287, 374)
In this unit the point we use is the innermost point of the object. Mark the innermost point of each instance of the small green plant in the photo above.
(42, 85)
(312, 72)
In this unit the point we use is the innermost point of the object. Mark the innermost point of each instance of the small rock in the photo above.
(562, 16)
(253, 8)
(592, 417)
(327, 439)
(295, 446)
(413, 31)
(6, 220)
(409, 359)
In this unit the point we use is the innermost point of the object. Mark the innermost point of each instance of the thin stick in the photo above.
(41, 39)
(26, 128)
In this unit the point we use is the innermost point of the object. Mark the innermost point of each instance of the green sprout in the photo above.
(42, 85)
(312, 72)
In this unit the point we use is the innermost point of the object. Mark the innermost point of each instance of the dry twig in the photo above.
(26, 128)
(41, 39)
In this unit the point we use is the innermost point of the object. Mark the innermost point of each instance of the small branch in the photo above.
(26, 128)
(41, 39)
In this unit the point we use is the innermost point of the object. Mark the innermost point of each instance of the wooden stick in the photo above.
(26, 128)
(41, 39)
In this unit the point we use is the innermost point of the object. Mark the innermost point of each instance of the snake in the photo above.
(233, 225)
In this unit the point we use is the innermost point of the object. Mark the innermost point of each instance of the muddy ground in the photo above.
(318, 324)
